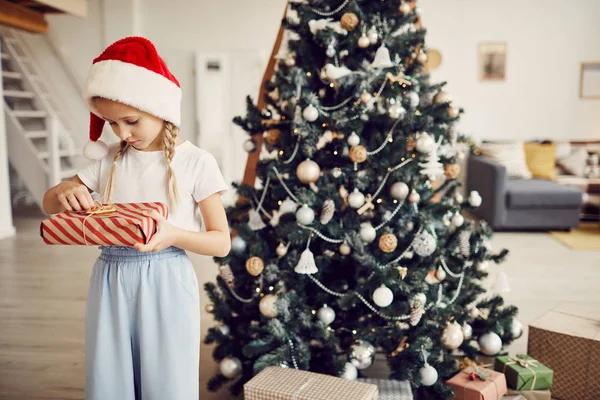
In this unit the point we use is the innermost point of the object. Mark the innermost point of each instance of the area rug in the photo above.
(586, 237)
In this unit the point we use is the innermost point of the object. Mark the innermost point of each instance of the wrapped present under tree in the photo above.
(475, 383)
(287, 383)
(524, 373)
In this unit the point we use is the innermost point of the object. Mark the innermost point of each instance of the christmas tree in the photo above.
(352, 241)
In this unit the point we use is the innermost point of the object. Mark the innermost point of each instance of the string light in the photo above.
(379, 201)
(313, 312)
(309, 74)
(335, 152)
(331, 84)
(257, 290)
(354, 332)
(280, 202)
(271, 288)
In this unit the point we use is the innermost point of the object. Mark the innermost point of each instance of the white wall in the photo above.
(547, 41)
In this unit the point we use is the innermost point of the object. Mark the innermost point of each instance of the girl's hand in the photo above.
(74, 196)
(164, 236)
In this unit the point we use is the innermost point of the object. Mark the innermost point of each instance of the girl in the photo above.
(142, 312)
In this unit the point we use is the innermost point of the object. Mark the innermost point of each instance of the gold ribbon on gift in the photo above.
(101, 209)
(483, 376)
(525, 363)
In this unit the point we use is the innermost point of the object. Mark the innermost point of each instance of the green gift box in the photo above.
(524, 373)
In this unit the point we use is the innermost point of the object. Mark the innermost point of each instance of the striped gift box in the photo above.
(125, 226)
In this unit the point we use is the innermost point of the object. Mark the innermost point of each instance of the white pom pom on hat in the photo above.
(131, 72)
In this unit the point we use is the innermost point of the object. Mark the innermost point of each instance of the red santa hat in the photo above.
(131, 72)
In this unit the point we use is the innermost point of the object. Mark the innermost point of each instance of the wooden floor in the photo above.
(42, 307)
(43, 292)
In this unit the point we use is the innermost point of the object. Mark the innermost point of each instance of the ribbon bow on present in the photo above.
(100, 209)
(525, 363)
(467, 363)
(481, 374)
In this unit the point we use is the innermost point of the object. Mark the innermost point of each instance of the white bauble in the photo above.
(249, 145)
(330, 52)
(440, 274)
(399, 190)
(326, 315)
(362, 354)
(350, 372)
(424, 244)
(467, 331)
(396, 111)
(425, 143)
(310, 113)
(475, 199)
(281, 250)
(429, 375)
(367, 232)
(354, 139)
(383, 296)
(405, 9)
(268, 306)
(366, 98)
(308, 171)
(452, 336)
(305, 215)
(516, 329)
(224, 329)
(490, 344)
(238, 245)
(230, 367)
(288, 206)
(421, 298)
(356, 199)
(458, 220)
(364, 42)
(482, 266)
(414, 100)
(345, 249)
(373, 35)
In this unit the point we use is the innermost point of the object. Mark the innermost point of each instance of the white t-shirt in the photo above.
(141, 176)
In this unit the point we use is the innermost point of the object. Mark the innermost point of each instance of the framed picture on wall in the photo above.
(589, 82)
(492, 61)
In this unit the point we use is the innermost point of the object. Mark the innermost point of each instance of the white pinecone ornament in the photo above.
(417, 310)
(327, 211)
(226, 274)
(463, 244)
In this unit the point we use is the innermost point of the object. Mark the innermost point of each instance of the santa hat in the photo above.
(131, 72)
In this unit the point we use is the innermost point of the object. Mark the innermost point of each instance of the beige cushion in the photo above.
(575, 163)
(509, 154)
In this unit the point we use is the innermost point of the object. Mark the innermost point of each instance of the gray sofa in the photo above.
(521, 204)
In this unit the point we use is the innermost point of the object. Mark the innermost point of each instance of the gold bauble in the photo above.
(388, 242)
(268, 306)
(290, 61)
(254, 266)
(453, 112)
(349, 21)
(209, 308)
(272, 136)
(452, 171)
(358, 154)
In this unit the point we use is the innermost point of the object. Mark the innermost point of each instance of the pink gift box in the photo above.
(493, 388)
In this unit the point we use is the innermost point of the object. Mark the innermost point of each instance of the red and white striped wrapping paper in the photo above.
(124, 227)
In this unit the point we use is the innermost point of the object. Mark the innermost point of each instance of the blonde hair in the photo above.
(170, 134)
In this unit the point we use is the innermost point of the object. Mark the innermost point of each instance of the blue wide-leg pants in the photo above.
(142, 327)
